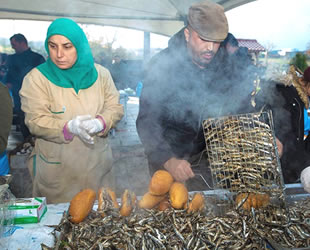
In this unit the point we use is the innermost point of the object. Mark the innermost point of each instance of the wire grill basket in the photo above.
(243, 156)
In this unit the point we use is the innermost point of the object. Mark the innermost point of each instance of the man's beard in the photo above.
(201, 61)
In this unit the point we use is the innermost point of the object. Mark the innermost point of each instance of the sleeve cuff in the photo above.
(67, 135)
(103, 122)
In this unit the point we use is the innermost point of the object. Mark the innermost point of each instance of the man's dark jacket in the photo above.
(18, 66)
(177, 96)
(239, 64)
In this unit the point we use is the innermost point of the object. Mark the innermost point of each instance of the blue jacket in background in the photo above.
(4, 164)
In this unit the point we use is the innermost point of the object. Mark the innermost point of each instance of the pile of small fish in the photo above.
(177, 229)
(241, 152)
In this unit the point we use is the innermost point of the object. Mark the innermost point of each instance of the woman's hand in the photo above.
(92, 126)
(75, 127)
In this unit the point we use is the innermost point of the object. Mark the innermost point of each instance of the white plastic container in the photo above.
(7, 199)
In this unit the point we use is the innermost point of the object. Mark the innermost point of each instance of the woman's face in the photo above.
(61, 51)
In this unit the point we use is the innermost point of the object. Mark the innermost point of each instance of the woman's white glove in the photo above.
(75, 128)
(305, 179)
(92, 126)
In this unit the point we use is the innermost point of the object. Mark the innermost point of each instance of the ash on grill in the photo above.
(244, 160)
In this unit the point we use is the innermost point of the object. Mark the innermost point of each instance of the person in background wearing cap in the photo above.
(185, 84)
(70, 103)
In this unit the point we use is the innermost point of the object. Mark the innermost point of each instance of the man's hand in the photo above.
(280, 147)
(180, 169)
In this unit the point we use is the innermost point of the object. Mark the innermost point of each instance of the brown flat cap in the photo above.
(208, 20)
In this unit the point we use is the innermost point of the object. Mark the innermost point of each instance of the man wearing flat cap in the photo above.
(184, 85)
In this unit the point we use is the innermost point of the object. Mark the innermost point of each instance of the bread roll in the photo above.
(197, 203)
(160, 183)
(106, 198)
(262, 200)
(128, 203)
(178, 195)
(81, 205)
(252, 200)
(164, 204)
(149, 201)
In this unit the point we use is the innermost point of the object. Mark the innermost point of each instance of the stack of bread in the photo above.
(163, 193)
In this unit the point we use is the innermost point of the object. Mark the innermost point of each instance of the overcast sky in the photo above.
(283, 23)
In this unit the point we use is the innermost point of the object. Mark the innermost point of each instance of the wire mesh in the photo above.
(243, 157)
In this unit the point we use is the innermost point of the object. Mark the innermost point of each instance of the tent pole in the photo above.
(147, 46)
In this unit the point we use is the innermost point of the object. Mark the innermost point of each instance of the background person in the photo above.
(290, 102)
(6, 116)
(3, 67)
(70, 105)
(19, 64)
(119, 73)
(104, 60)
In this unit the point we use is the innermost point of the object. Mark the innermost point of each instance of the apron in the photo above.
(60, 171)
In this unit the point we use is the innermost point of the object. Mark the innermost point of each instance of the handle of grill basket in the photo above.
(197, 173)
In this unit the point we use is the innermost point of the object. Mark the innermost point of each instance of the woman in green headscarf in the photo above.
(70, 105)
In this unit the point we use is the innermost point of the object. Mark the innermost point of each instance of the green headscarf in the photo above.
(83, 73)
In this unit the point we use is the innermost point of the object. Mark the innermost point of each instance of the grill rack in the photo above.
(243, 157)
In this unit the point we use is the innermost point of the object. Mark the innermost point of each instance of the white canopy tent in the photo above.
(164, 17)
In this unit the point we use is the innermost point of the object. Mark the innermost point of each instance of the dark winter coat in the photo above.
(18, 66)
(288, 114)
(296, 153)
(177, 96)
(239, 64)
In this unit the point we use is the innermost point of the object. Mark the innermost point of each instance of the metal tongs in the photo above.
(197, 171)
